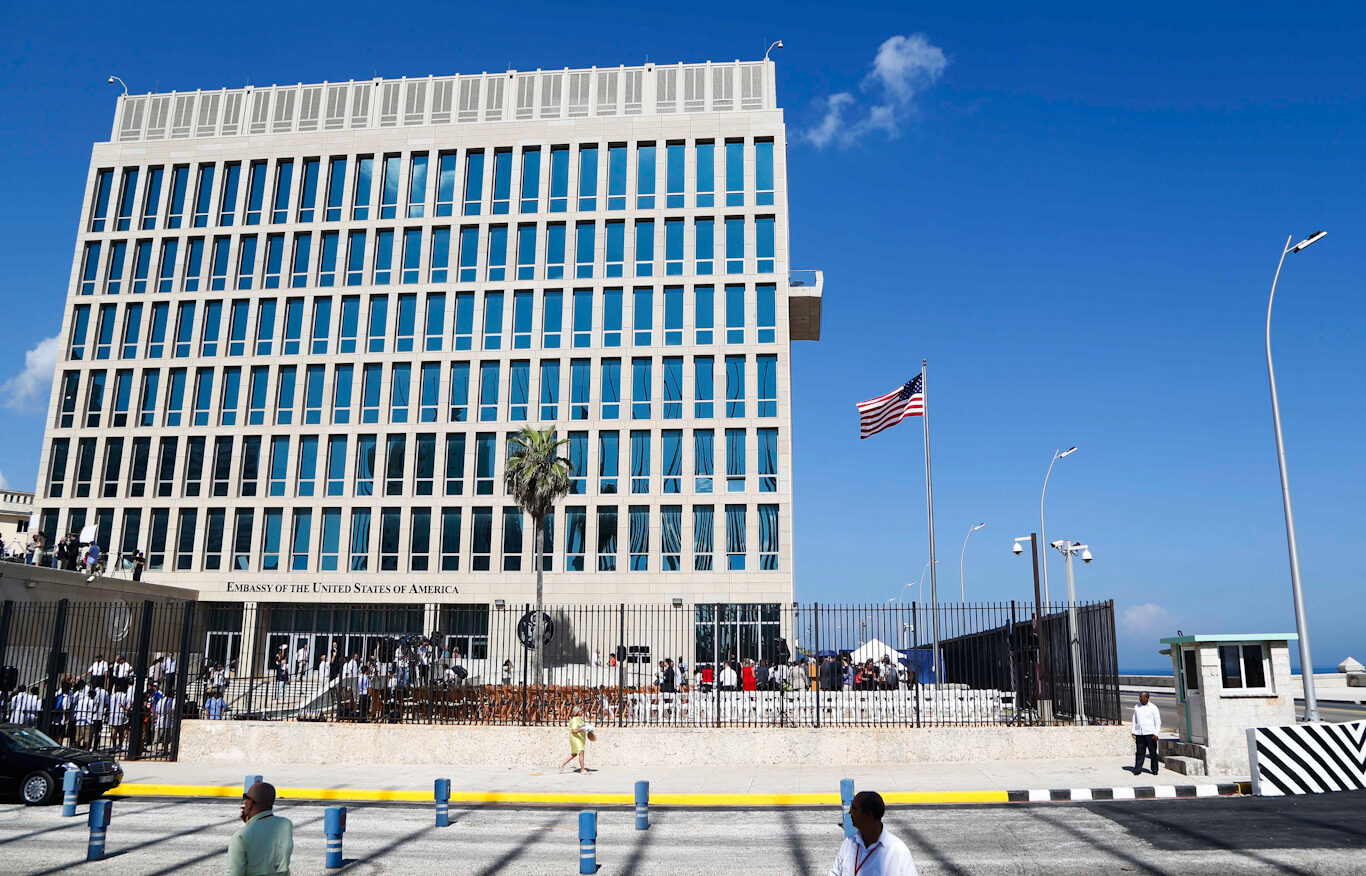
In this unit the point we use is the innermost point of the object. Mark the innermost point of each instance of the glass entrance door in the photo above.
(225, 648)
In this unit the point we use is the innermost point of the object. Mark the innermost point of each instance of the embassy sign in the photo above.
(344, 589)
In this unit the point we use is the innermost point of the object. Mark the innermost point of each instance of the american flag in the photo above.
(886, 411)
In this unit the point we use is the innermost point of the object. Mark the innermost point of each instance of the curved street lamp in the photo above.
(1043, 530)
(962, 593)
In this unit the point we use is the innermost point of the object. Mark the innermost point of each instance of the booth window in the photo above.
(1242, 667)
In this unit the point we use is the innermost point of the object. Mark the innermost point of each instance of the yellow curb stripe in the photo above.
(571, 798)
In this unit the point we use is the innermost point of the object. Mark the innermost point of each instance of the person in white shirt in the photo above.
(301, 659)
(352, 667)
(119, 704)
(214, 706)
(121, 669)
(98, 671)
(165, 720)
(729, 680)
(1147, 724)
(24, 708)
(872, 850)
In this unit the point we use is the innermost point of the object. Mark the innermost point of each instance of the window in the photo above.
(241, 539)
(493, 320)
(703, 536)
(640, 389)
(578, 462)
(645, 248)
(521, 320)
(227, 207)
(232, 385)
(365, 465)
(735, 460)
(203, 396)
(673, 388)
(147, 402)
(256, 191)
(483, 464)
(331, 540)
(256, 398)
(379, 318)
(735, 314)
(608, 461)
(615, 262)
(576, 519)
(298, 277)
(151, 201)
(388, 198)
(704, 456)
(706, 173)
(215, 523)
(94, 398)
(90, 268)
(583, 250)
(455, 463)
(175, 210)
(531, 178)
(132, 326)
(607, 538)
(735, 173)
(474, 181)
(238, 327)
(735, 245)
(166, 275)
(360, 540)
(552, 319)
(512, 539)
(674, 155)
(156, 339)
(156, 543)
(341, 394)
(275, 254)
(705, 254)
(203, 195)
(639, 534)
(1243, 667)
(294, 325)
(469, 253)
(611, 389)
(400, 383)
(349, 323)
(85, 464)
(735, 386)
(768, 537)
(768, 386)
(284, 176)
(327, 259)
(104, 335)
(336, 465)
(588, 178)
(222, 466)
(322, 325)
(175, 397)
(123, 390)
(559, 179)
(640, 461)
(436, 321)
(579, 377)
(308, 465)
(611, 318)
(583, 318)
(450, 539)
(550, 390)
(424, 467)
(128, 194)
(142, 261)
(526, 252)
(279, 466)
(80, 322)
(703, 386)
(763, 175)
(488, 391)
(412, 255)
(100, 208)
(57, 466)
(384, 257)
(763, 244)
(616, 177)
(735, 538)
(165, 467)
(645, 176)
(502, 181)
(554, 254)
(336, 182)
(768, 460)
(137, 469)
(417, 186)
(430, 390)
(767, 312)
(419, 539)
(481, 542)
(519, 385)
(284, 401)
(303, 525)
(406, 323)
(445, 184)
(369, 399)
(208, 342)
(460, 391)
(673, 247)
(394, 456)
(441, 255)
(218, 270)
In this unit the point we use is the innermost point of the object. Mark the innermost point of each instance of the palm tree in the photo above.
(537, 477)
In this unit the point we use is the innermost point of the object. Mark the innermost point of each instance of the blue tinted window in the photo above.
(706, 246)
(616, 178)
(640, 389)
(763, 172)
(642, 309)
(445, 184)
(588, 177)
(441, 254)
(735, 314)
(531, 178)
(488, 392)
(180, 183)
(227, 208)
(616, 249)
(706, 174)
(256, 191)
(284, 177)
(417, 186)
(559, 179)
(99, 211)
(763, 244)
(645, 176)
(336, 183)
(554, 251)
(583, 250)
(469, 253)
(735, 245)
(611, 317)
(360, 195)
(550, 389)
(645, 248)
(704, 313)
(493, 320)
(474, 182)
(498, 252)
(768, 314)
(309, 194)
(502, 181)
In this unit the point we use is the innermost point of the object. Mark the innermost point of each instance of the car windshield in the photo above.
(27, 739)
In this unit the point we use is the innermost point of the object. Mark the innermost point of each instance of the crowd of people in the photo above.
(832, 673)
(95, 710)
(69, 553)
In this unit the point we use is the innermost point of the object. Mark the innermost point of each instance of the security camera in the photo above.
(1017, 550)
(1086, 556)
(1058, 544)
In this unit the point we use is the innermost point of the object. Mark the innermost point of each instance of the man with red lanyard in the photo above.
(872, 850)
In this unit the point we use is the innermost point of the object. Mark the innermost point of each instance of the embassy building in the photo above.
(303, 322)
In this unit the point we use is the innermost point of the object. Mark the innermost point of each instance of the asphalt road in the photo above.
(1166, 703)
(1310, 835)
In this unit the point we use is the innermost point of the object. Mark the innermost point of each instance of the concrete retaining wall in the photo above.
(519, 747)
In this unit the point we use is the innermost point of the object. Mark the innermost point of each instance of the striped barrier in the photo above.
(1307, 758)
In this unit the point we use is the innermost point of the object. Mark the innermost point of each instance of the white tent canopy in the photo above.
(875, 650)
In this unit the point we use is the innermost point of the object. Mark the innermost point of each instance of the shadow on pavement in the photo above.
(801, 858)
(902, 828)
(180, 866)
(1036, 811)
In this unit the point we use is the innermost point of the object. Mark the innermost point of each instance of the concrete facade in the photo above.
(529, 747)
(16, 507)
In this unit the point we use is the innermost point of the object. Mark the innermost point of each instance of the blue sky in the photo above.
(1074, 213)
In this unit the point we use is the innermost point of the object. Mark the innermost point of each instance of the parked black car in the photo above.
(32, 765)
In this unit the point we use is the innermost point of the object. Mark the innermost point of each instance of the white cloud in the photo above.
(28, 390)
(903, 68)
(1148, 620)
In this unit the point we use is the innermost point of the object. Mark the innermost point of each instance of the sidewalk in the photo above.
(980, 782)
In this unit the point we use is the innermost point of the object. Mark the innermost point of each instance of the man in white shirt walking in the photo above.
(872, 850)
(1147, 724)
(25, 707)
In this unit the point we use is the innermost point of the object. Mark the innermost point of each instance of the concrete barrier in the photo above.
(522, 747)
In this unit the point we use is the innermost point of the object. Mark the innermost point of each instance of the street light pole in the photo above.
(1069, 548)
(1045, 703)
(1043, 530)
(1311, 703)
(962, 593)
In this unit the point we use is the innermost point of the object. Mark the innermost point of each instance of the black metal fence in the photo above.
(105, 676)
(706, 664)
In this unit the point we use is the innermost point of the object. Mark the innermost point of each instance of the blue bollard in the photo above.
(588, 842)
(71, 788)
(642, 805)
(443, 802)
(249, 781)
(846, 800)
(334, 825)
(100, 811)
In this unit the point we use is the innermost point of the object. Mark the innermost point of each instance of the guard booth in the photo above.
(1226, 684)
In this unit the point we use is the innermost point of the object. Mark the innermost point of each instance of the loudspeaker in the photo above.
(9, 679)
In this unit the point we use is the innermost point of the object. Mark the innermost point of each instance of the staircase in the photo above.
(1187, 758)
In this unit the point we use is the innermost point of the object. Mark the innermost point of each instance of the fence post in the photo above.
(916, 688)
(140, 681)
(621, 668)
(816, 614)
(524, 662)
(181, 678)
(5, 614)
(54, 661)
(716, 661)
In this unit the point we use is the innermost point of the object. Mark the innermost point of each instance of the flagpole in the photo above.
(929, 503)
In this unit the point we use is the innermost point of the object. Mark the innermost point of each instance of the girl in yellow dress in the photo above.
(578, 739)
